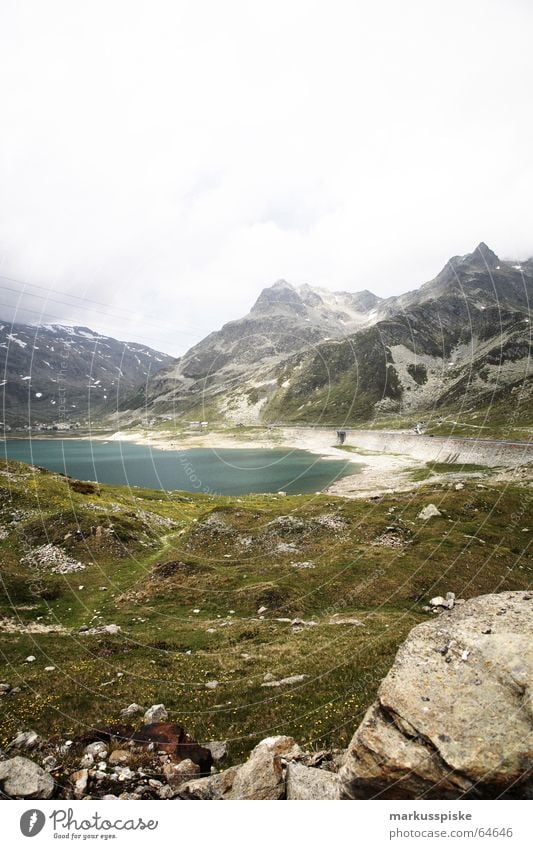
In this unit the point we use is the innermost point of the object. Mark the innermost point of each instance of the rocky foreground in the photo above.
(452, 719)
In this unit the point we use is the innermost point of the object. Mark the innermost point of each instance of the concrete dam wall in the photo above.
(443, 449)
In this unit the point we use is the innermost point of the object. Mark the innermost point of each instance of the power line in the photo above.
(156, 322)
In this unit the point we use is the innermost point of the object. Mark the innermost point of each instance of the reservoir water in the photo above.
(227, 471)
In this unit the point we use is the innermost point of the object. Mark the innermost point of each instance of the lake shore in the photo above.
(378, 473)
(384, 466)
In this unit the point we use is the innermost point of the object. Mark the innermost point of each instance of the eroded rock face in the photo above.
(307, 782)
(454, 716)
(261, 777)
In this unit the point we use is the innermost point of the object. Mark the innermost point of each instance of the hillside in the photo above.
(283, 320)
(233, 593)
(56, 373)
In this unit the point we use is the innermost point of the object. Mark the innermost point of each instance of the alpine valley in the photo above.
(362, 637)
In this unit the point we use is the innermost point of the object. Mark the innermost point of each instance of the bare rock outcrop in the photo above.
(21, 778)
(454, 716)
(307, 782)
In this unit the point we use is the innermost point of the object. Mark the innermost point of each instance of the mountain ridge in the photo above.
(468, 327)
(56, 373)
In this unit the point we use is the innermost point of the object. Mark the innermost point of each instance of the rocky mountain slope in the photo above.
(309, 355)
(228, 366)
(56, 373)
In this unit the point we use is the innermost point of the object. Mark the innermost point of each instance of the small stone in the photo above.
(124, 773)
(97, 749)
(131, 710)
(155, 713)
(305, 782)
(292, 679)
(119, 756)
(428, 512)
(80, 780)
(31, 658)
(211, 685)
(25, 740)
(87, 761)
(177, 774)
(286, 747)
(218, 749)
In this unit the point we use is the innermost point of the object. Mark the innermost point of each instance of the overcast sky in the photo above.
(161, 162)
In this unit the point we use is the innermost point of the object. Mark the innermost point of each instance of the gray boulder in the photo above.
(155, 713)
(428, 512)
(261, 777)
(307, 782)
(453, 718)
(24, 779)
(217, 786)
(218, 749)
(131, 710)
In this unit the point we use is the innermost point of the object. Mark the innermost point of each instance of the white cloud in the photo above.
(169, 159)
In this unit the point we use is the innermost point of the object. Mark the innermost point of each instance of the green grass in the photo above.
(234, 554)
(431, 469)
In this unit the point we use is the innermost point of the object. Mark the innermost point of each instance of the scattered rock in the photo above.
(119, 757)
(286, 747)
(25, 740)
(306, 782)
(292, 679)
(439, 601)
(80, 779)
(337, 619)
(177, 774)
(131, 710)
(156, 713)
(218, 749)
(100, 629)
(429, 512)
(261, 777)
(51, 557)
(24, 779)
(97, 749)
(211, 685)
(217, 786)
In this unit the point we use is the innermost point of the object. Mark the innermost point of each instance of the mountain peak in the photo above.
(485, 254)
(281, 296)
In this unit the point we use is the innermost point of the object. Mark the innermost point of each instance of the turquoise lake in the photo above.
(228, 471)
